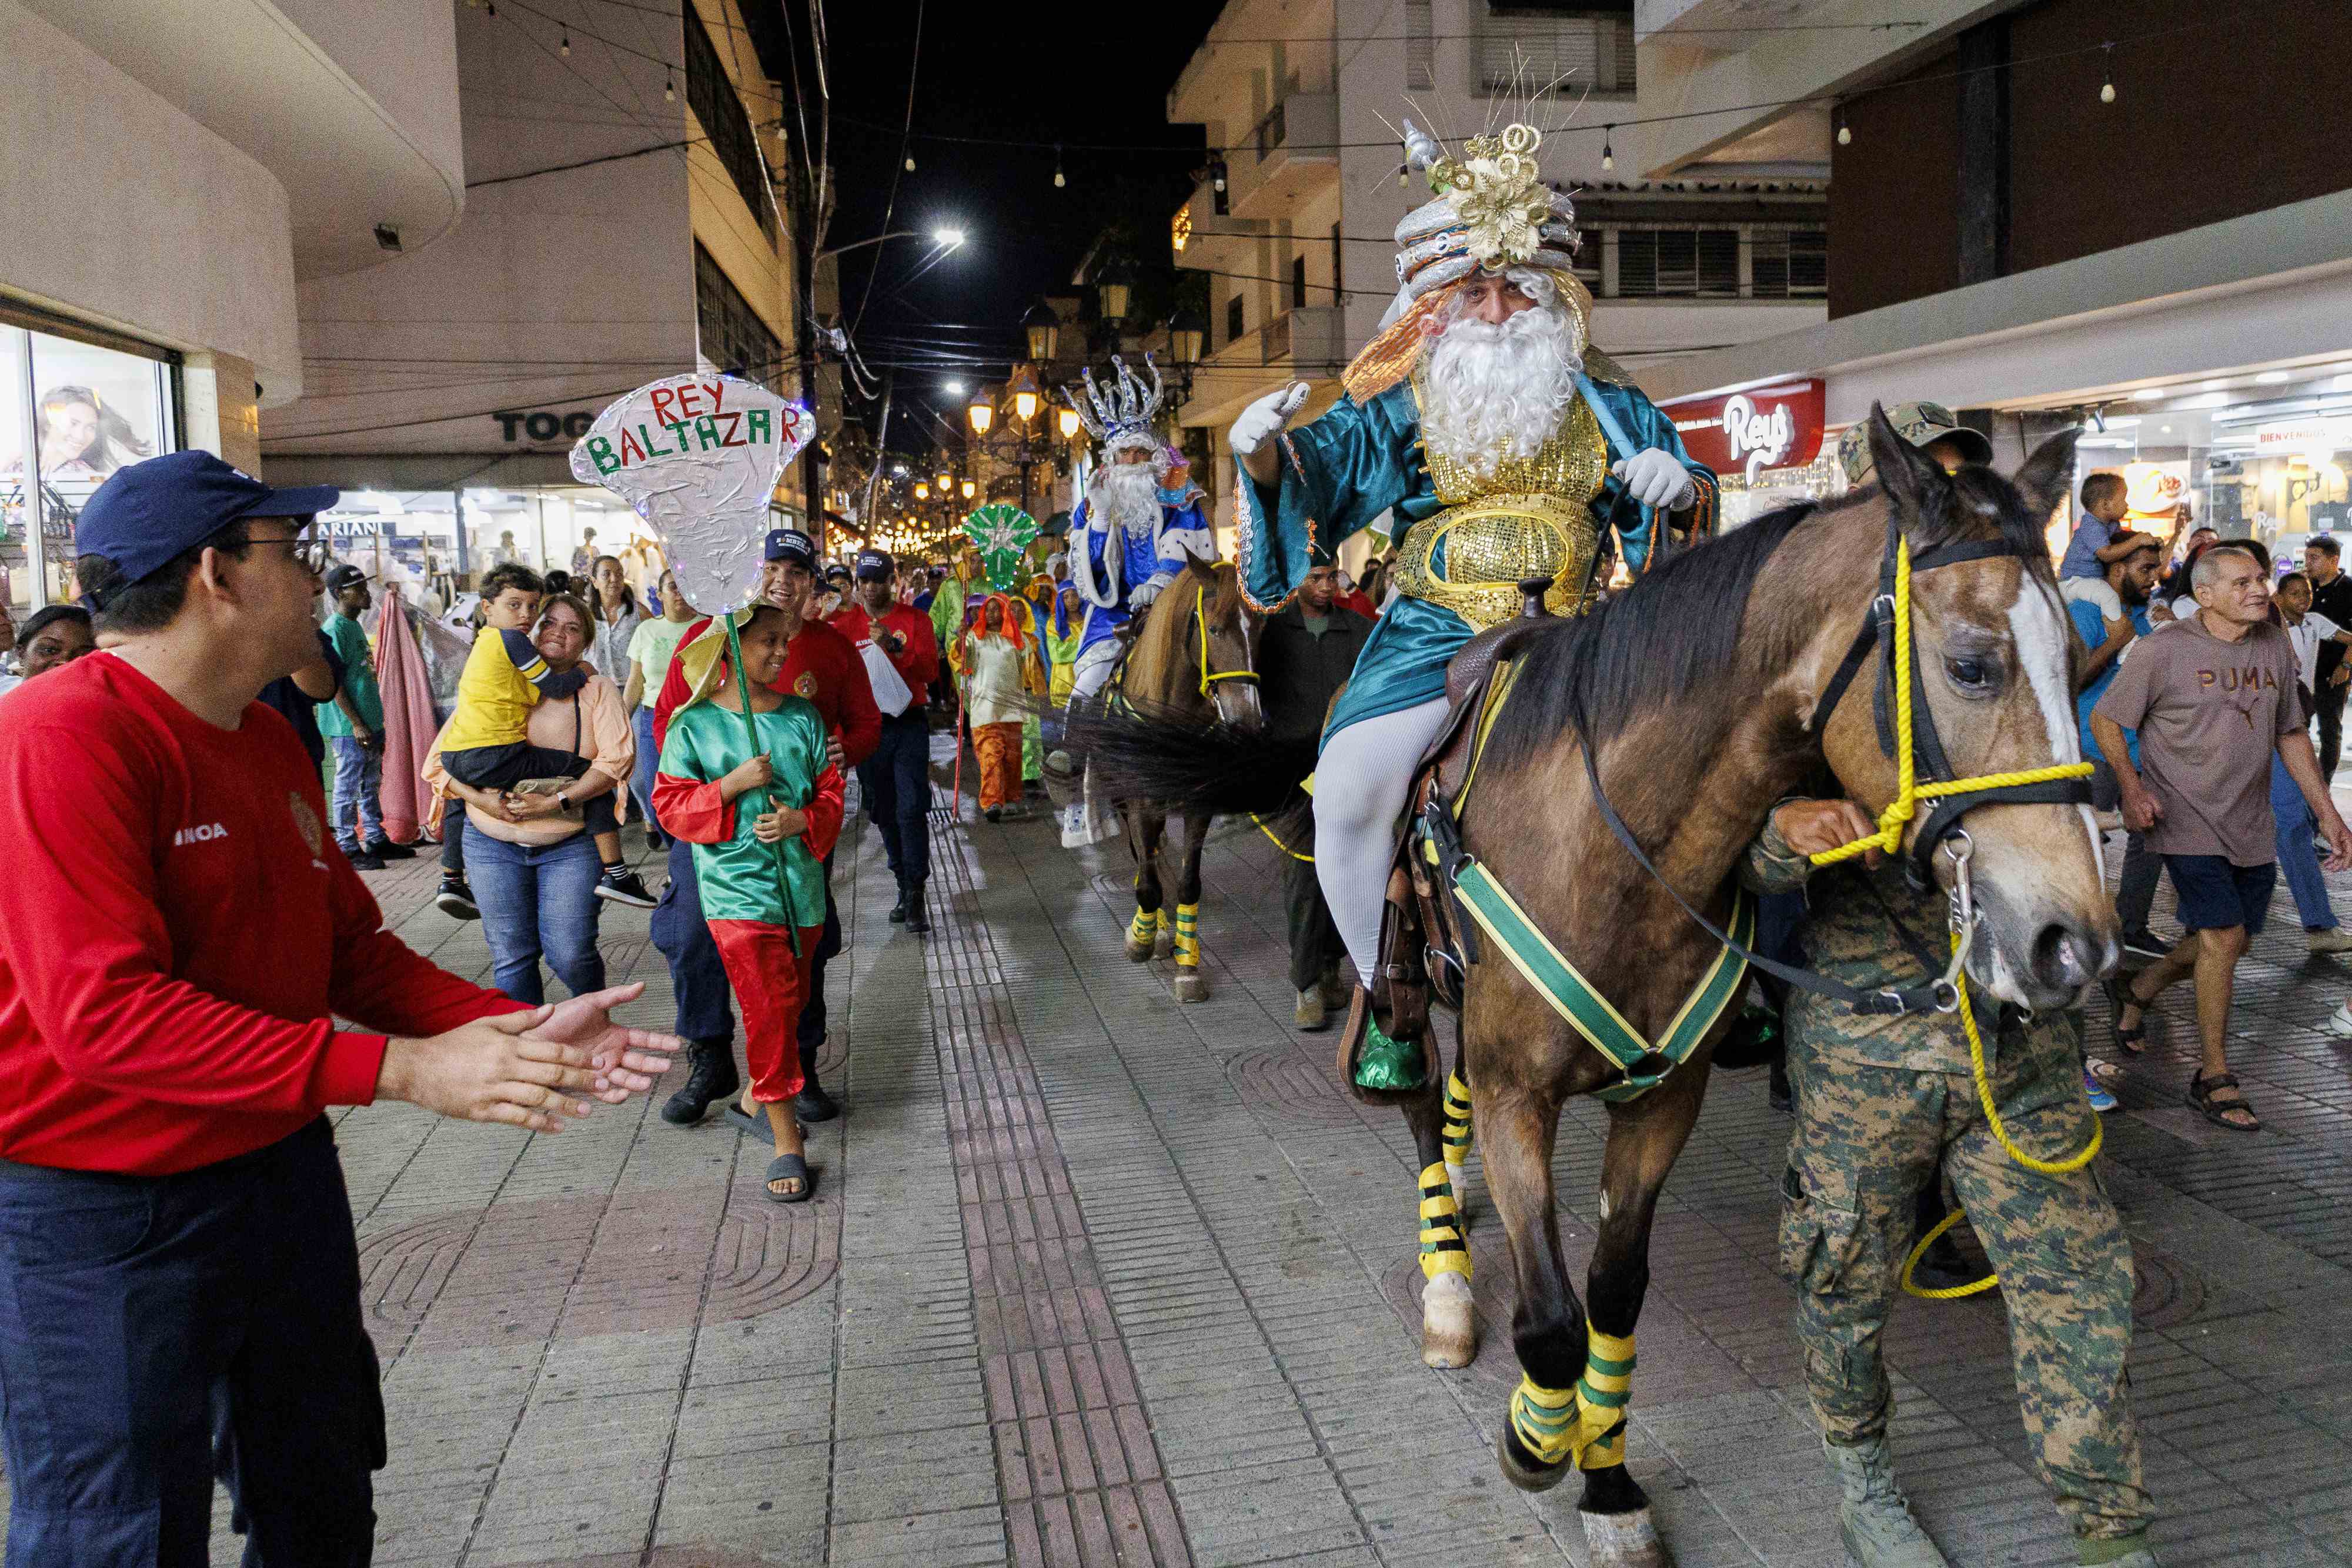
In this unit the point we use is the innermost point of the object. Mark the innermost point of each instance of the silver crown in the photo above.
(1126, 408)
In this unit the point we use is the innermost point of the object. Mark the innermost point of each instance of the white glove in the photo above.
(1140, 599)
(1265, 418)
(1655, 479)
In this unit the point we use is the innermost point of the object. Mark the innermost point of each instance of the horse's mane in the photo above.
(1161, 644)
(1678, 627)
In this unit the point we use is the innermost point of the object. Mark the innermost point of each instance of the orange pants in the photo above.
(772, 985)
(999, 746)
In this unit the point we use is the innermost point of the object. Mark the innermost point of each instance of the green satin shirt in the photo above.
(739, 877)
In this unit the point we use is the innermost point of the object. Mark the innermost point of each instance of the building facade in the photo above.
(621, 224)
(1295, 218)
(2032, 222)
(177, 174)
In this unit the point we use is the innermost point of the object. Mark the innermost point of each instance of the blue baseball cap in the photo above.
(791, 544)
(873, 566)
(151, 511)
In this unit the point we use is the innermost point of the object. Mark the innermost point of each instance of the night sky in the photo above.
(1053, 72)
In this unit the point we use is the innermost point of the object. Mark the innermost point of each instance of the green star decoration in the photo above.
(1000, 531)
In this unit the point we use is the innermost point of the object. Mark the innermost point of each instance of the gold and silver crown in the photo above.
(1119, 412)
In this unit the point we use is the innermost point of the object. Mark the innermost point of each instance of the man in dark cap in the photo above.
(176, 1241)
(896, 781)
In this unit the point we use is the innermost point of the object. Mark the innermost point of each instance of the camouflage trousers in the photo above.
(1867, 1140)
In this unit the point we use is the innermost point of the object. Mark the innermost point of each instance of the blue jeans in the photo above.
(2298, 856)
(641, 782)
(705, 1010)
(154, 1327)
(538, 900)
(359, 775)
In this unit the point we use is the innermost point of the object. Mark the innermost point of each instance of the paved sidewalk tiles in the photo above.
(1094, 1278)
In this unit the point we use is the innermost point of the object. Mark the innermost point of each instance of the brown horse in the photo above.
(1190, 668)
(1697, 687)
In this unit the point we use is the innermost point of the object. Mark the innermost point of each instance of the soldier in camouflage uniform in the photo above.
(1879, 1099)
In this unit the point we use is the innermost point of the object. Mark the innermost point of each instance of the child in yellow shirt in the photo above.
(485, 743)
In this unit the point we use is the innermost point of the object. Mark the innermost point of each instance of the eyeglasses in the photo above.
(310, 552)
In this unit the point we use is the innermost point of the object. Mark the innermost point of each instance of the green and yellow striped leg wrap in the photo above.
(1585, 1424)
(1188, 936)
(1141, 929)
(1442, 1250)
(1163, 919)
(1457, 1121)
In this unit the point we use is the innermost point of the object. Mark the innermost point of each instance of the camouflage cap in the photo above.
(1920, 424)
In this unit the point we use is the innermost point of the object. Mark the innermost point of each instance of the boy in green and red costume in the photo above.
(709, 767)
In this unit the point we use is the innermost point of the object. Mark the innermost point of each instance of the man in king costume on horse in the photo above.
(1129, 538)
(1483, 419)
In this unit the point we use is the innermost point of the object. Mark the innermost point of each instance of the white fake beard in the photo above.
(1498, 390)
(1127, 494)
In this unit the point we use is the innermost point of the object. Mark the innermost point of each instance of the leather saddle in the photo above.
(1420, 926)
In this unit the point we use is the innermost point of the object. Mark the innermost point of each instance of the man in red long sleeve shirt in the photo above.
(895, 784)
(821, 665)
(175, 1242)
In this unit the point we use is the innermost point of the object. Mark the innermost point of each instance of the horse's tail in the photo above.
(1190, 764)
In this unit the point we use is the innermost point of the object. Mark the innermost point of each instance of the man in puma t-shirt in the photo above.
(2213, 696)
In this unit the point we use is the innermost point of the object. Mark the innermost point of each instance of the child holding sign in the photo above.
(709, 763)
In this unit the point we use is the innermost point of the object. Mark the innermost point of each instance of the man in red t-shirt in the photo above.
(821, 666)
(176, 1241)
(895, 784)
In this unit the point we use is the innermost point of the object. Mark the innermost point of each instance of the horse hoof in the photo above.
(1192, 986)
(1624, 1540)
(1165, 948)
(1449, 1327)
(1523, 1469)
(1139, 952)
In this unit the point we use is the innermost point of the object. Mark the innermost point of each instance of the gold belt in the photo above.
(1490, 544)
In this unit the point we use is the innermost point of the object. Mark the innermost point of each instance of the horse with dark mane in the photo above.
(1187, 679)
(1696, 690)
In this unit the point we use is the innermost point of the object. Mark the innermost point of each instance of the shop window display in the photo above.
(82, 412)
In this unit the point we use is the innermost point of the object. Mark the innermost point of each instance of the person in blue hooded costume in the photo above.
(1501, 447)
(1128, 537)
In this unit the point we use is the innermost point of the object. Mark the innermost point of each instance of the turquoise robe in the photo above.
(1361, 460)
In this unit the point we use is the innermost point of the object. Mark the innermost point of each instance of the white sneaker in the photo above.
(2339, 1022)
(2334, 939)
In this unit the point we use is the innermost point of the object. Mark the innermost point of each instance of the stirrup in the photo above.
(1356, 1035)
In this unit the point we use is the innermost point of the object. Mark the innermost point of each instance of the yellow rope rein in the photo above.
(1899, 812)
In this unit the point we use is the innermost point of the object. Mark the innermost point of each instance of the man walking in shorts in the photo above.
(2213, 696)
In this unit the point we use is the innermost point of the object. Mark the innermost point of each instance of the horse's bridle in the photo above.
(1201, 636)
(1908, 735)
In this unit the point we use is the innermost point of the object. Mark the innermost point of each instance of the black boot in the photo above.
(898, 910)
(813, 1104)
(917, 920)
(713, 1077)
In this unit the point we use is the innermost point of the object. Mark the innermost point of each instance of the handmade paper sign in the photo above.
(698, 457)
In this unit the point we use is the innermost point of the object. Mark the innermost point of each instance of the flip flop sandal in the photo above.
(754, 1127)
(788, 1168)
(2131, 1041)
(2200, 1094)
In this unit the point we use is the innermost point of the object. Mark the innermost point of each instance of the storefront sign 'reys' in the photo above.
(698, 457)
(1777, 426)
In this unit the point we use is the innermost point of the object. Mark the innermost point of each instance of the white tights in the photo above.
(1360, 781)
